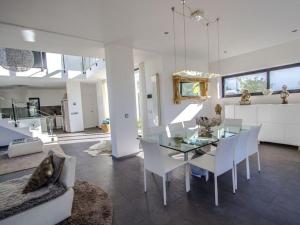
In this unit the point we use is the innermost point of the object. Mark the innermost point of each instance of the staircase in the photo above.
(16, 124)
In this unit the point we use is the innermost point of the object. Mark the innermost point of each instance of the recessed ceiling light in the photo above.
(294, 31)
(28, 35)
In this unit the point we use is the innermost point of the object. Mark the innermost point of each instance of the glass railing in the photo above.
(18, 114)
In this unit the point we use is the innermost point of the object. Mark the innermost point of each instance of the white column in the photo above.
(75, 106)
(121, 95)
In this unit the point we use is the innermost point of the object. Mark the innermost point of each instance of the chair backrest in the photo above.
(224, 154)
(240, 152)
(174, 129)
(233, 122)
(153, 156)
(253, 140)
(189, 124)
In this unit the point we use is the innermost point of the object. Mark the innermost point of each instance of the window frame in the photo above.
(267, 71)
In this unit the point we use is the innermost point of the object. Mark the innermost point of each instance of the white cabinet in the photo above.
(280, 123)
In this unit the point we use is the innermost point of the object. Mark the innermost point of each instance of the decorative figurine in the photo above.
(245, 98)
(218, 109)
(284, 95)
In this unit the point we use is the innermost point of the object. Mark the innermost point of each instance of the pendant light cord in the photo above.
(219, 58)
(174, 40)
(208, 43)
(184, 32)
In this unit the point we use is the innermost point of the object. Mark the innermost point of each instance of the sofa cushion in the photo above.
(67, 177)
(40, 176)
(58, 164)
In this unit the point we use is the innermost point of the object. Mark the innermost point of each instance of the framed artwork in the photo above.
(34, 106)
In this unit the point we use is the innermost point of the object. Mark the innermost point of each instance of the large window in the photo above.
(255, 83)
(288, 76)
(258, 81)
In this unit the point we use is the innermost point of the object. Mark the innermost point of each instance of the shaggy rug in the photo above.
(9, 165)
(91, 206)
(102, 148)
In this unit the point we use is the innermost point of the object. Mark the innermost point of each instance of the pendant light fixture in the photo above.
(16, 60)
(198, 16)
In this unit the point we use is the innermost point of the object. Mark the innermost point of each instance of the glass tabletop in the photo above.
(186, 140)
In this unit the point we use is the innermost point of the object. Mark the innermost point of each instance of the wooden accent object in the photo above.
(203, 83)
(105, 128)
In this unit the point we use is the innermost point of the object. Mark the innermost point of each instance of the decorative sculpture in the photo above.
(207, 124)
(218, 109)
(284, 95)
(245, 98)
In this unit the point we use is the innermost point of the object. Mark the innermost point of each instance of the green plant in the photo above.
(253, 85)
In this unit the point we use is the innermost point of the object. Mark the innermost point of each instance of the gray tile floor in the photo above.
(270, 197)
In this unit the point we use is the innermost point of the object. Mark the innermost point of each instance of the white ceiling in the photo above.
(246, 25)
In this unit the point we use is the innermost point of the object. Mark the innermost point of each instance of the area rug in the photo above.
(10, 165)
(102, 148)
(91, 206)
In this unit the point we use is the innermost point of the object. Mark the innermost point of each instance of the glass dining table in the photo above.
(187, 140)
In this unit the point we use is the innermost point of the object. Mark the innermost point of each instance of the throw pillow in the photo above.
(40, 176)
(58, 165)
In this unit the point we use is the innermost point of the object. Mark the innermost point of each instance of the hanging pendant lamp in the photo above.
(196, 15)
(16, 60)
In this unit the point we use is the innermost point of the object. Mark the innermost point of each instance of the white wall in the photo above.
(48, 96)
(75, 106)
(164, 66)
(284, 54)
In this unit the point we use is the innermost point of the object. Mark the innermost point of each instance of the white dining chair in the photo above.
(174, 129)
(240, 151)
(159, 163)
(252, 147)
(233, 122)
(218, 163)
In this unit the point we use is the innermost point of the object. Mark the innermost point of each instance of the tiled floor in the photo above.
(270, 197)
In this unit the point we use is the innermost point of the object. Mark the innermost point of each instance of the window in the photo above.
(288, 76)
(256, 82)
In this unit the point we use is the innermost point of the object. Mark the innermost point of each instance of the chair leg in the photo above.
(206, 175)
(233, 179)
(235, 173)
(216, 191)
(258, 161)
(164, 189)
(187, 178)
(247, 168)
(145, 181)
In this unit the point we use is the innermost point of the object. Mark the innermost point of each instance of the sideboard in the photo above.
(280, 123)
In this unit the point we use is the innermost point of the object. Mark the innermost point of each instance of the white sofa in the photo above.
(54, 211)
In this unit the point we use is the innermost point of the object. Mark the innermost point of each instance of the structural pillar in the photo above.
(122, 103)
